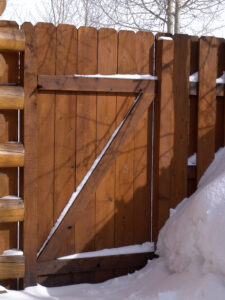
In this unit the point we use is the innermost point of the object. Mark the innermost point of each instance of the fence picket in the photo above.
(46, 50)
(65, 121)
(208, 50)
(86, 135)
(181, 117)
(164, 134)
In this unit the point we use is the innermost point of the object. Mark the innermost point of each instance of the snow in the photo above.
(144, 248)
(12, 252)
(120, 76)
(192, 160)
(191, 248)
(10, 198)
(193, 77)
(221, 80)
(165, 38)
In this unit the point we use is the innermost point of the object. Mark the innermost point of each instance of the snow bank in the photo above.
(194, 235)
(191, 248)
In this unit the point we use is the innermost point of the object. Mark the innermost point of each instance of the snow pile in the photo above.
(194, 235)
(191, 248)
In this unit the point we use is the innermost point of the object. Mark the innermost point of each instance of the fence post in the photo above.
(164, 134)
(208, 50)
(181, 116)
(30, 164)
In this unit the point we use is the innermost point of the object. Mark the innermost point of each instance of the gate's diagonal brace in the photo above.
(80, 199)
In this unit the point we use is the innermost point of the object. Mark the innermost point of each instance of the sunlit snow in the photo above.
(191, 248)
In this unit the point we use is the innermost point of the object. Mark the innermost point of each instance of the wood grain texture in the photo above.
(164, 134)
(3, 65)
(208, 49)
(11, 97)
(88, 84)
(8, 231)
(106, 117)
(124, 209)
(11, 210)
(80, 205)
(46, 58)
(143, 147)
(4, 185)
(65, 122)
(86, 135)
(2, 124)
(106, 113)
(11, 39)
(30, 189)
(181, 117)
(93, 264)
(11, 155)
(11, 267)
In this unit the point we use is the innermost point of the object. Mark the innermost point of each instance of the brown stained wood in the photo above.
(181, 116)
(2, 6)
(93, 264)
(164, 134)
(2, 124)
(124, 209)
(106, 114)
(11, 39)
(4, 185)
(88, 84)
(46, 64)
(143, 147)
(8, 231)
(11, 210)
(208, 49)
(219, 131)
(65, 121)
(11, 97)
(3, 66)
(11, 267)
(11, 155)
(193, 91)
(80, 205)
(31, 158)
(86, 136)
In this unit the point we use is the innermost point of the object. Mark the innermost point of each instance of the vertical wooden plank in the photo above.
(208, 49)
(143, 147)
(30, 164)
(86, 135)
(46, 54)
(124, 214)
(65, 121)
(220, 100)
(164, 134)
(181, 116)
(106, 116)
(106, 113)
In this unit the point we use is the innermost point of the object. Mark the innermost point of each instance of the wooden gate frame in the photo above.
(34, 82)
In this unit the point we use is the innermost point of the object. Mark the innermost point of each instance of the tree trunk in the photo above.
(177, 17)
(170, 17)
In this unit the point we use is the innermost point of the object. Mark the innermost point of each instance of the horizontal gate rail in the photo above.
(95, 84)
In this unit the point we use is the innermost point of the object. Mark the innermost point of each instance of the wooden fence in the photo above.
(65, 132)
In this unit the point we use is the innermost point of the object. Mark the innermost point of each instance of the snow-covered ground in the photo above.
(191, 247)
